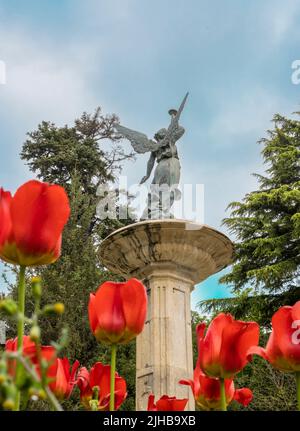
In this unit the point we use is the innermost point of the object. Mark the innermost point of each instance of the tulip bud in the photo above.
(9, 404)
(36, 287)
(95, 395)
(95, 399)
(10, 393)
(42, 394)
(9, 306)
(35, 333)
(57, 308)
(94, 405)
(33, 392)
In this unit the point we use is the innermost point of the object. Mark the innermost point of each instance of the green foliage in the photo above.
(73, 158)
(55, 153)
(265, 273)
(272, 389)
(266, 225)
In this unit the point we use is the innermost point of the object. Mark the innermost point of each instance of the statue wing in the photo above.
(139, 141)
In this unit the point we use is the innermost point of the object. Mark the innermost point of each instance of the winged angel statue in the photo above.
(164, 187)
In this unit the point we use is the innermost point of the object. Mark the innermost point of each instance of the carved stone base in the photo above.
(170, 256)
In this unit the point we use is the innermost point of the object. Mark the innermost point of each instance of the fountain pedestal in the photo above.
(170, 256)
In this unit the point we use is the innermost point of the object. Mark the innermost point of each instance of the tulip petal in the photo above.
(296, 311)
(74, 369)
(272, 354)
(286, 323)
(82, 380)
(210, 346)
(187, 383)
(5, 217)
(92, 313)
(120, 391)
(243, 396)
(100, 376)
(109, 310)
(134, 300)
(210, 387)
(200, 328)
(238, 337)
(120, 396)
(256, 350)
(166, 403)
(151, 404)
(39, 212)
(60, 385)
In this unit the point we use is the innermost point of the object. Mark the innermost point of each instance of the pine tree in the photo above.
(266, 225)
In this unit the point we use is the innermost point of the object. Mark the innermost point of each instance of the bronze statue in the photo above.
(164, 187)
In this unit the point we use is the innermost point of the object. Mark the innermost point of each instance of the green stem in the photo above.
(20, 328)
(298, 388)
(223, 395)
(53, 401)
(112, 377)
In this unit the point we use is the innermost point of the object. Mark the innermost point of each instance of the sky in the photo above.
(137, 58)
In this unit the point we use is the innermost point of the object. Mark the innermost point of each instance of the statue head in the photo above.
(172, 112)
(160, 134)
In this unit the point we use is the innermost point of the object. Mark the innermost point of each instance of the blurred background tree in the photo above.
(75, 157)
(266, 226)
(265, 271)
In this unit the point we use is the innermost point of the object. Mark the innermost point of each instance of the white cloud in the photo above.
(281, 20)
(249, 112)
(43, 81)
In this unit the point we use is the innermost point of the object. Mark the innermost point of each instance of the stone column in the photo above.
(170, 256)
(164, 349)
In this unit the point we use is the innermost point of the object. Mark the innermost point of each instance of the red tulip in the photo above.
(99, 376)
(31, 223)
(223, 350)
(63, 378)
(117, 311)
(48, 354)
(5, 220)
(166, 403)
(207, 391)
(283, 347)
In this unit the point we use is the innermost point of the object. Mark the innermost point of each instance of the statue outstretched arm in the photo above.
(174, 130)
(150, 165)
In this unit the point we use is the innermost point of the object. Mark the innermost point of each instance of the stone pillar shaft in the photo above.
(164, 349)
(170, 256)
